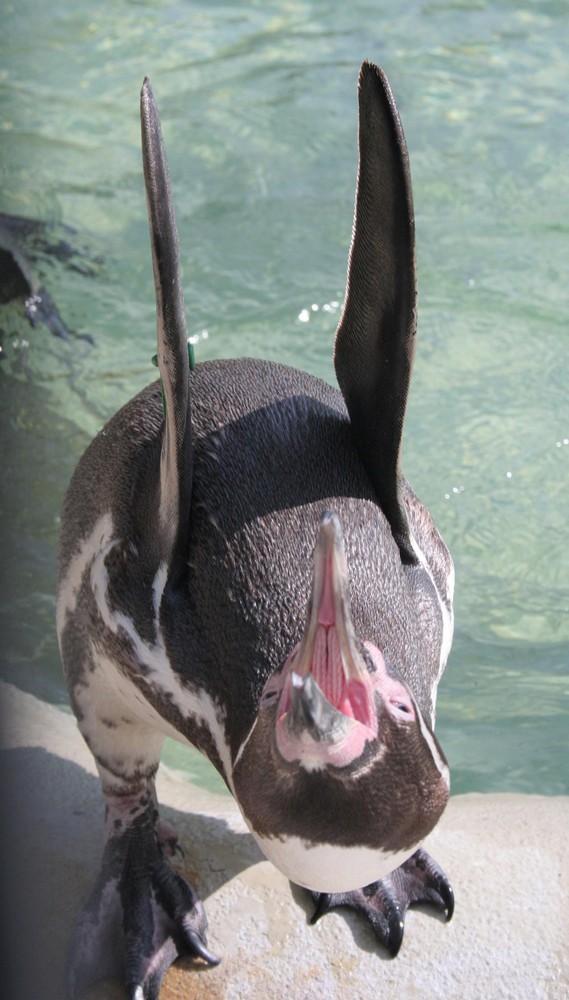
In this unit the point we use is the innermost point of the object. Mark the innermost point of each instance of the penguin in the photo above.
(18, 278)
(243, 567)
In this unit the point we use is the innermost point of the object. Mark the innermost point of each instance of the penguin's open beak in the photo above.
(327, 708)
(328, 639)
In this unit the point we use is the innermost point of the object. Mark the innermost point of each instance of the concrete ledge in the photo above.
(505, 855)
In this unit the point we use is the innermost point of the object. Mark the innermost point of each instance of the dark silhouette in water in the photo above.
(21, 242)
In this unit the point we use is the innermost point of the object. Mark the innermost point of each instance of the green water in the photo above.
(259, 115)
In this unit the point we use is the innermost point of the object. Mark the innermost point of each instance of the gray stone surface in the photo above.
(505, 855)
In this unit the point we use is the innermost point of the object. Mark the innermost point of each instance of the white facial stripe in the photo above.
(427, 736)
(448, 628)
(446, 614)
(241, 750)
(328, 867)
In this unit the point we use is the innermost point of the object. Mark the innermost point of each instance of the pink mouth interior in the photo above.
(353, 698)
(348, 687)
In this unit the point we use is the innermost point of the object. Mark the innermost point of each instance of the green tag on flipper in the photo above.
(191, 359)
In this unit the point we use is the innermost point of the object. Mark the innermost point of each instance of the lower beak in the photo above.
(311, 712)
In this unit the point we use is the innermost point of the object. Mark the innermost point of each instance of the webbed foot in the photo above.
(141, 915)
(384, 903)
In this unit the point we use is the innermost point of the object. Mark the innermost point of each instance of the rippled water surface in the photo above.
(259, 115)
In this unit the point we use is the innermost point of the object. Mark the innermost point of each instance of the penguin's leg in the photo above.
(141, 914)
(384, 903)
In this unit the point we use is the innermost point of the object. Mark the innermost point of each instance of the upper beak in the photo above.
(329, 606)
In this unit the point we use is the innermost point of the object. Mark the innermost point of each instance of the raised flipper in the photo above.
(176, 454)
(384, 903)
(375, 339)
(141, 914)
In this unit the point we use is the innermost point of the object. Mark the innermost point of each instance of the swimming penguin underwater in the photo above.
(21, 241)
(244, 568)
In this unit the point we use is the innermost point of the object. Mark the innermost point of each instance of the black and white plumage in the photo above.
(244, 568)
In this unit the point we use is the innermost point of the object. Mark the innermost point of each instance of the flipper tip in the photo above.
(146, 89)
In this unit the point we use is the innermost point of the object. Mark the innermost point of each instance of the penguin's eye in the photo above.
(272, 691)
(269, 697)
(402, 709)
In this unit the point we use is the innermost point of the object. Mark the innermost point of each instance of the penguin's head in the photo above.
(341, 777)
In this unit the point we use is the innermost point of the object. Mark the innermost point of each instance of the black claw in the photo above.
(200, 948)
(149, 988)
(385, 903)
(141, 916)
(149, 992)
(322, 906)
(396, 930)
(447, 895)
(428, 883)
